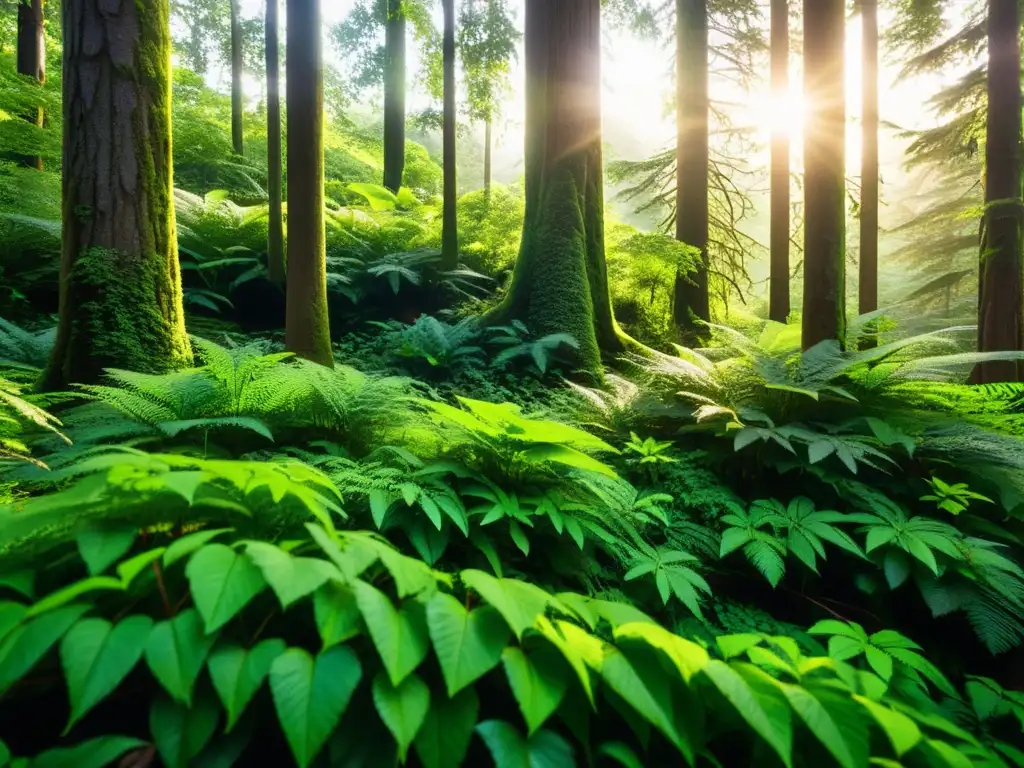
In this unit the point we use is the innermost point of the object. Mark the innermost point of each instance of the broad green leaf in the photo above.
(96, 753)
(222, 583)
(311, 696)
(443, 739)
(901, 730)
(175, 652)
(943, 755)
(96, 656)
(621, 754)
(25, 645)
(22, 582)
(238, 673)
(291, 578)
(467, 644)
(11, 615)
(100, 548)
(402, 708)
(519, 602)
(581, 650)
(400, 636)
(538, 681)
(688, 657)
(737, 645)
(570, 457)
(509, 749)
(880, 661)
(757, 703)
(180, 732)
(75, 590)
(337, 614)
(189, 543)
(837, 727)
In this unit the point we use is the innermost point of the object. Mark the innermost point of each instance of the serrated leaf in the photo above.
(175, 652)
(222, 583)
(291, 578)
(100, 548)
(402, 709)
(100, 752)
(509, 749)
(467, 644)
(180, 732)
(336, 613)
(96, 656)
(400, 636)
(26, 644)
(539, 683)
(237, 674)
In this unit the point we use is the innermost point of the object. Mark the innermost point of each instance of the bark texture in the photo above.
(692, 297)
(560, 282)
(307, 329)
(1000, 325)
(394, 96)
(778, 295)
(824, 306)
(868, 296)
(449, 223)
(120, 284)
(236, 80)
(275, 226)
(32, 59)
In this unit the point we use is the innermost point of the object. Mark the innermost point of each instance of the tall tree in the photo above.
(120, 284)
(560, 281)
(32, 58)
(778, 298)
(203, 25)
(449, 230)
(1000, 318)
(394, 95)
(692, 297)
(869, 158)
(236, 79)
(275, 225)
(824, 305)
(307, 326)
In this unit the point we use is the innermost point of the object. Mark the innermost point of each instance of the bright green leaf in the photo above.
(402, 709)
(222, 583)
(238, 673)
(175, 652)
(467, 644)
(24, 646)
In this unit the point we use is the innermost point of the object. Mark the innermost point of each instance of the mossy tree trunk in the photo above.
(394, 95)
(868, 290)
(449, 224)
(275, 226)
(560, 282)
(488, 141)
(1000, 324)
(692, 302)
(307, 329)
(236, 80)
(31, 60)
(120, 284)
(824, 304)
(778, 295)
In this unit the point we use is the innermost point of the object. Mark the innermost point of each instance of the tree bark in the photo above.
(307, 327)
(778, 299)
(449, 223)
(824, 305)
(32, 59)
(869, 160)
(120, 284)
(1000, 323)
(394, 96)
(488, 140)
(275, 226)
(236, 80)
(692, 298)
(560, 281)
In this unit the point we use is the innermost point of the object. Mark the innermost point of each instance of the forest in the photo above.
(515, 383)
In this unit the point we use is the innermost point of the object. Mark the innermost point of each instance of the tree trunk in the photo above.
(488, 140)
(394, 96)
(778, 299)
(1000, 324)
(824, 306)
(449, 231)
(275, 226)
(307, 327)
(560, 282)
(692, 299)
(869, 160)
(120, 284)
(236, 80)
(32, 59)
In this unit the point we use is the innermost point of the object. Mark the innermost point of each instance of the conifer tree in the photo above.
(778, 300)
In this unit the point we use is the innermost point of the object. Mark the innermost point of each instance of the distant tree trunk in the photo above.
(488, 139)
(394, 96)
(307, 327)
(32, 59)
(778, 299)
(275, 226)
(120, 284)
(1000, 320)
(236, 80)
(824, 306)
(869, 160)
(449, 230)
(560, 282)
(692, 160)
